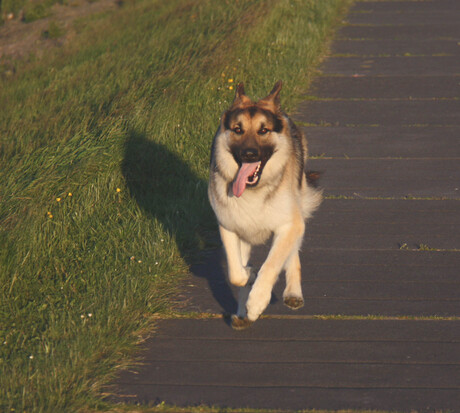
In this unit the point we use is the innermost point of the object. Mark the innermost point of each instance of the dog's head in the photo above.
(252, 130)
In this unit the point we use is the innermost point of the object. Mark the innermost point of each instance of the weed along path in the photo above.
(381, 324)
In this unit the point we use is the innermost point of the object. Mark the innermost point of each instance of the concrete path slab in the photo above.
(391, 112)
(373, 299)
(425, 178)
(314, 397)
(384, 224)
(383, 142)
(392, 66)
(421, 32)
(318, 364)
(386, 87)
(315, 330)
(391, 6)
(413, 17)
(406, 47)
(343, 281)
(297, 374)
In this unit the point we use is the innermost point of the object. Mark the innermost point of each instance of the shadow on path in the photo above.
(167, 189)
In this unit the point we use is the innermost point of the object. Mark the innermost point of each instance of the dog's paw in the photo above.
(240, 323)
(294, 303)
(259, 297)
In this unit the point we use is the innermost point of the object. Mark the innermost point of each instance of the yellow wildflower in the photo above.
(58, 199)
(230, 80)
(230, 87)
(118, 190)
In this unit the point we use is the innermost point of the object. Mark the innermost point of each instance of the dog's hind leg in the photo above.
(292, 295)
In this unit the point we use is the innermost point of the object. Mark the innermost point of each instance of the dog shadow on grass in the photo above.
(165, 187)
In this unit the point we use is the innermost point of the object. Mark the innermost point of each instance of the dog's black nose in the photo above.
(249, 155)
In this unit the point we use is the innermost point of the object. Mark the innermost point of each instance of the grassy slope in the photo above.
(163, 408)
(103, 166)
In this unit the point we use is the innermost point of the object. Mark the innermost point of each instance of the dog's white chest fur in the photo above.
(254, 216)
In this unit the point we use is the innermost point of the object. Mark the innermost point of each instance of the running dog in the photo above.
(258, 188)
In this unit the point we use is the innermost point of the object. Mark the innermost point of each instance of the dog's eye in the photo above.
(263, 131)
(238, 130)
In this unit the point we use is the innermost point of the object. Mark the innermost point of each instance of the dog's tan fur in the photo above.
(278, 204)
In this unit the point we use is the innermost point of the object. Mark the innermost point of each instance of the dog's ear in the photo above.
(273, 98)
(240, 97)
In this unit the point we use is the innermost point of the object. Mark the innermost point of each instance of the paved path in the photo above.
(385, 128)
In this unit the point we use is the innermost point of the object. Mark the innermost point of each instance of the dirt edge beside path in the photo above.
(18, 40)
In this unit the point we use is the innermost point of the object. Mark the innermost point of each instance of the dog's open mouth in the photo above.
(248, 175)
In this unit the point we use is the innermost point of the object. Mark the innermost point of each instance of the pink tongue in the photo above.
(246, 170)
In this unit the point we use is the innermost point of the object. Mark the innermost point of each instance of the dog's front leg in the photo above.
(237, 253)
(286, 242)
(239, 273)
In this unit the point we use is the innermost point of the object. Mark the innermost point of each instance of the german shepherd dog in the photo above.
(258, 188)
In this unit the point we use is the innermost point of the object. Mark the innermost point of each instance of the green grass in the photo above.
(164, 408)
(104, 150)
(54, 31)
